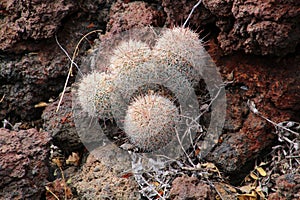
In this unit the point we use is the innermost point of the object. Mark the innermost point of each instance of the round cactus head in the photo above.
(184, 43)
(86, 92)
(150, 122)
(94, 94)
(128, 53)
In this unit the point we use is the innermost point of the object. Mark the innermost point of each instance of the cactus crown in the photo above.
(150, 121)
(128, 54)
(182, 42)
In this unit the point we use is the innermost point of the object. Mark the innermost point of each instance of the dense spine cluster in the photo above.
(150, 121)
(150, 117)
(94, 94)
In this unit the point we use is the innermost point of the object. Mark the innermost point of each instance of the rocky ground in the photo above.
(255, 45)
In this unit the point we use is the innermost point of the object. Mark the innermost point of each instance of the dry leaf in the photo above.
(251, 196)
(197, 151)
(156, 183)
(41, 105)
(58, 190)
(248, 178)
(91, 25)
(262, 164)
(2, 98)
(73, 159)
(246, 189)
(225, 191)
(253, 175)
(212, 167)
(57, 162)
(127, 175)
(261, 171)
(261, 194)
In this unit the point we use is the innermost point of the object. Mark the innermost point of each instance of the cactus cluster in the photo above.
(150, 117)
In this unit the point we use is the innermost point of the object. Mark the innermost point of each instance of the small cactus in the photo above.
(184, 43)
(150, 121)
(86, 93)
(127, 54)
(94, 94)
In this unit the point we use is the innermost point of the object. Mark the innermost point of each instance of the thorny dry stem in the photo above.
(284, 157)
(147, 189)
(221, 87)
(182, 148)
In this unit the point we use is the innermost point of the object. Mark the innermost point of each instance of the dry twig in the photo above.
(193, 9)
(72, 62)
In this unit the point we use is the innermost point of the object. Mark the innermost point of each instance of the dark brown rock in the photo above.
(29, 80)
(190, 188)
(257, 27)
(98, 10)
(33, 71)
(23, 169)
(178, 11)
(219, 7)
(238, 148)
(124, 16)
(26, 20)
(60, 124)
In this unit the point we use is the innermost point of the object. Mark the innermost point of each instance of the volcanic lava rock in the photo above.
(23, 168)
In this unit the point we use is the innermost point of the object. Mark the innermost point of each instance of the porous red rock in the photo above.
(264, 82)
(287, 187)
(124, 16)
(258, 27)
(23, 163)
(190, 188)
(102, 177)
(26, 20)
